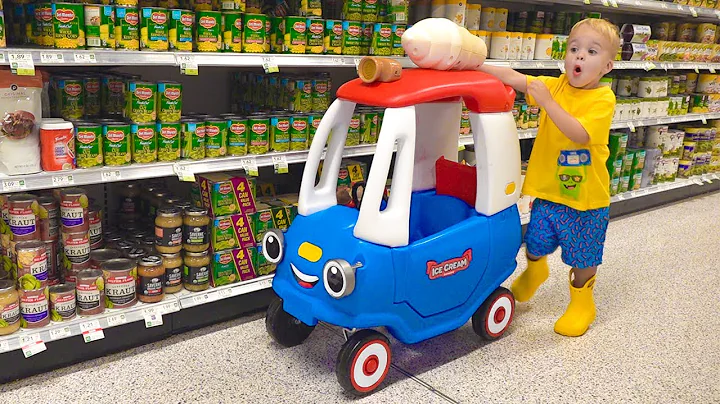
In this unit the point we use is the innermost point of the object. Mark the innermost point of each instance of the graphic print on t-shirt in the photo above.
(572, 171)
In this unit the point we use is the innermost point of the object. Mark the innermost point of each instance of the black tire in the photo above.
(285, 329)
(495, 315)
(374, 349)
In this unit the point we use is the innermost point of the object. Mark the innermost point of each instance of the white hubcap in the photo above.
(497, 325)
(370, 365)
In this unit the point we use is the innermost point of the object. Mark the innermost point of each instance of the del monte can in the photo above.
(208, 37)
(154, 29)
(69, 25)
(182, 23)
(141, 99)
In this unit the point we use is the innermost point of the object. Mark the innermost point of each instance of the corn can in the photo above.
(233, 31)
(126, 3)
(182, 23)
(43, 29)
(277, 34)
(100, 26)
(208, 32)
(168, 4)
(333, 37)
(127, 32)
(315, 36)
(295, 35)
(202, 5)
(154, 29)
(69, 27)
(254, 33)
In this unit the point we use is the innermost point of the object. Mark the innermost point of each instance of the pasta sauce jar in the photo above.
(120, 277)
(151, 275)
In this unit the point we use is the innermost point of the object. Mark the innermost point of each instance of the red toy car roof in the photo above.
(482, 92)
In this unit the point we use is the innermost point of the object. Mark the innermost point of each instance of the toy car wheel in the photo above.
(287, 330)
(363, 362)
(493, 318)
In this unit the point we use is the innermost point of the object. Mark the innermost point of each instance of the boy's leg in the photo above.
(540, 240)
(582, 242)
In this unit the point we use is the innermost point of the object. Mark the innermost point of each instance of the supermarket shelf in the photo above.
(654, 189)
(664, 120)
(191, 299)
(648, 7)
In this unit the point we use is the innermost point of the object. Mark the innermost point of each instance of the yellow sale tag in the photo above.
(355, 173)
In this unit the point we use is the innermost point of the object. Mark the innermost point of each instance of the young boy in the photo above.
(566, 172)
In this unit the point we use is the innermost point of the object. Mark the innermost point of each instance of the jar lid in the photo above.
(173, 255)
(118, 264)
(151, 261)
(168, 211)
(22, 198)
(72, 192)
(136, 253)
(196, 254)
(56, 125)
(65, 287)
(47, 200)
(195, 211)
(29, 245)
(6, 285)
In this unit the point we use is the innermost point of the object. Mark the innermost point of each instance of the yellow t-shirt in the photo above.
(561, 170)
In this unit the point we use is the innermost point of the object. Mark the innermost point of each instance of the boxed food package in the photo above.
(260, 264)
(225, 194)
(268, 216)
(233, 231)
(231, 266)
(618, 144)
(351, 176)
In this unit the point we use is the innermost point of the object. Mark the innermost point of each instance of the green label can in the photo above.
(88, 145)
(254, 33)
(368, 127)
(180, 32)
(366, 41)
(112, 94)
(353, 136)
(72, 98)
(320, 99)
(208, 33)
(170, 101)
(144, 142)
(43, 24)
(237, 136)
(141, 101)
(91, 88)
(352, 10)
(193, 139)
(280, 133)
(277, 34)
(382, 40)
(315, 36)
(311, 8)
(397, 48)
(215, 138)
(352, 37)
(127, 28)
(233, 30)
(295, 35)
(267, 47)
(303, 96)
(313, 123)
(259, 136)
(298, 132)
(100, 26)
(154, 29)
(69, 25)
(168, 141)
(116, 144)
(370, 10)
(333, 37)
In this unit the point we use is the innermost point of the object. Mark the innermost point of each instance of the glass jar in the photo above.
(196, 271)
(151, 273)
(9, 307)
(196, 236)
(173, 264)
(130, 202)
(157, 201)
(168, 230)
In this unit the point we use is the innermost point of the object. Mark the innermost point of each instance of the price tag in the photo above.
(561, 66)
(337, 61)
(270, 65)
(614, 3)
(13, 185)
(663, 5)
(58, 333)
(113, 175)
(664, 66)
(704, 120)
(171, 307)
(265, 284)
(280, 163)
(116, 319)
(712, 70)
(649, 66)
(91, 331)
(225, 293)
(631, 126)
(461, 147)
(620, 197)
(606, 3)
(693, 11)
(62, 180)
(33, 348)
(85, 58)
(697, 69)
(697, 181)
(250, 166)
(539, 65)
(188, 65)
(641, 192)
(201, 299)
(357, 61)
(4, 346)
(52, 58)
(152, 318)
(21, 64)
(183, 172)
(587, 2)
(680, 8)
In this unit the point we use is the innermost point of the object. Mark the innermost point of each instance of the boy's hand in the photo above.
(539, 91)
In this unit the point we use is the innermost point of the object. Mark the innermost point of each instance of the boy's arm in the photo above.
(568, 124)
(508, 76)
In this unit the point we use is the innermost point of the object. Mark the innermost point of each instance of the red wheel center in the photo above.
(371, 365)
(499, 315)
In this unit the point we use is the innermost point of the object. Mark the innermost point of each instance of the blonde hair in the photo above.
(606, 29)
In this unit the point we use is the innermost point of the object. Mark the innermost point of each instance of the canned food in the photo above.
(333, 41)
(34, 307)
(182, 23)
(23, 210)
(280, 133)
(154, 29)
(68, 24)
(112, 96)
(295, 35)
(259, 136)
(48, 216)
(169, 141)
(142, 99)
(54, 254)
(77, 251)
(116, 144)
(382, 41)
(237, 136)
(313, 124)
(126, 3)
(32, 268)
(62, 302)
(120, 276)
(91, 91)
(88, 145)
(90, 292)
(215, 138)
(170, 101)
(95, 233)
(127, 32)
(144, 143)
(232, 31)
(303, 95)
(397, 48)
(315, 36)
(298, 132)
(268, 32)
(71, 97)
(208, 33)
(277, 34)
(254, 33)
(193, 139)
(352, 10)
(97, 257)
(320, 101)
(43, 28)
(100, 26)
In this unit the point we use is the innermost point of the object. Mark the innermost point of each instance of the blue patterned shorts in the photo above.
(581, 234)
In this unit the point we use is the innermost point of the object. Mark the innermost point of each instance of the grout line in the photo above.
(406, 373)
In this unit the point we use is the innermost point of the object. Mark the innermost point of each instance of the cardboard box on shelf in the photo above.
(232, 266)
(225, 193)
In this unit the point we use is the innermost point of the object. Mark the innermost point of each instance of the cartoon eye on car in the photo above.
(432, 256)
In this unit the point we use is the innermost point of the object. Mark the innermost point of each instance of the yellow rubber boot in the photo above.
(529, 281)
(580, 312)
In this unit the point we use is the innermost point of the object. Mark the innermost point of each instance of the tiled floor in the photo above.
(655, 340)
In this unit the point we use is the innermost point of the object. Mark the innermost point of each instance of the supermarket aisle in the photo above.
(655, 340)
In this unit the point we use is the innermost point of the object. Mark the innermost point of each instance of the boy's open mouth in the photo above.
(577, 70)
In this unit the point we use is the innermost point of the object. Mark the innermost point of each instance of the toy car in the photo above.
(429, 258)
